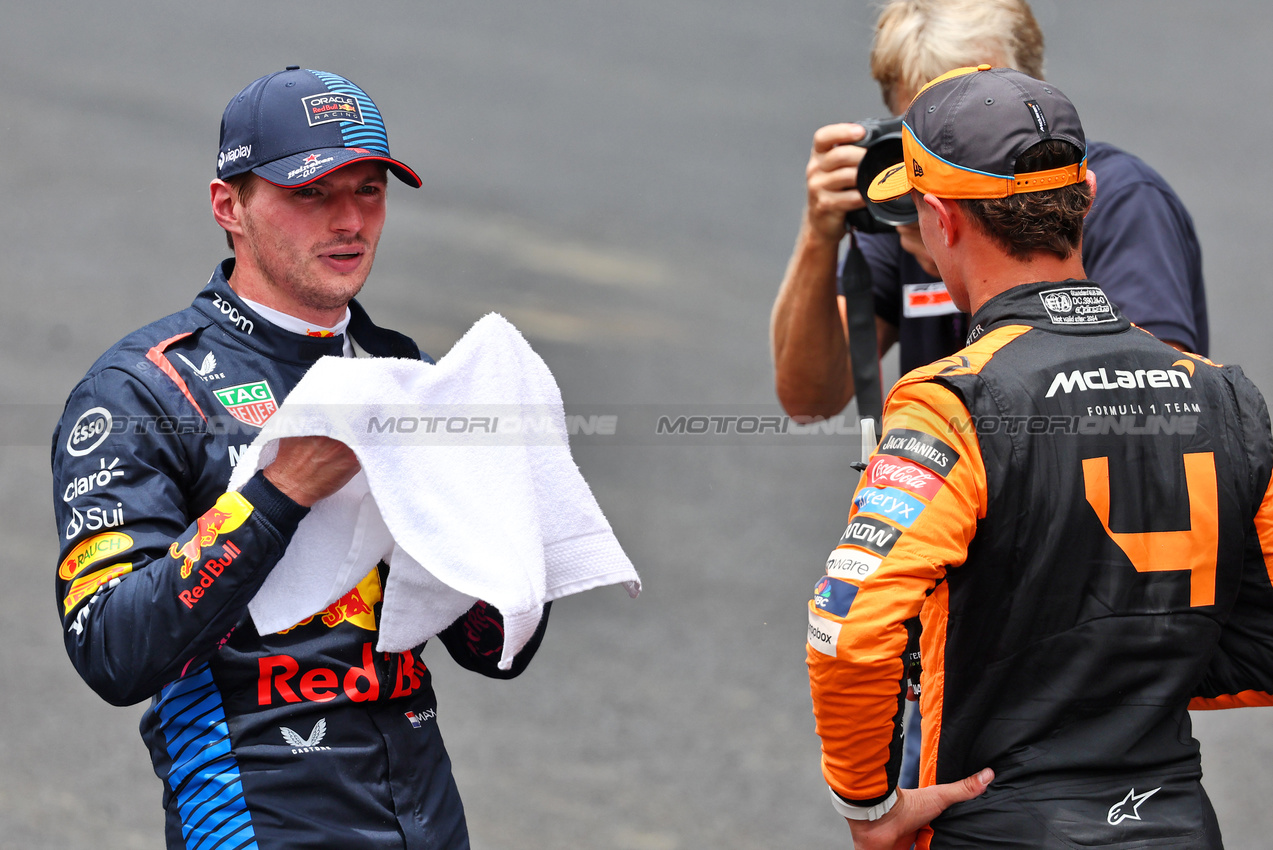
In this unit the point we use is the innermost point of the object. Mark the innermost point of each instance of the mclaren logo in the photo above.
(1104, 379)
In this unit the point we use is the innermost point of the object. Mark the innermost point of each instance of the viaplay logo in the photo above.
(233, 155)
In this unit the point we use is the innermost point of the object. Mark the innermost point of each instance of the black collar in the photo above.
(1068, 307)
(224, 307)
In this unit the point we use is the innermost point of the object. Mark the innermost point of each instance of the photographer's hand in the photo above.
(831, 179)
(807, 330)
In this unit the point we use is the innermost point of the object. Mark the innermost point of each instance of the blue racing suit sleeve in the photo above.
(146, 587)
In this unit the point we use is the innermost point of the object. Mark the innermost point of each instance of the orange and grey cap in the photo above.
(963, 132)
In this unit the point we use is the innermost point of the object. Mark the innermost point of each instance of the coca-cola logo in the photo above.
(896, 472)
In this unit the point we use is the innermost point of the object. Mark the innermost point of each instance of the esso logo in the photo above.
(89, 431)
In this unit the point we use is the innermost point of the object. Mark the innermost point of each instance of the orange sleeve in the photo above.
(914, 515)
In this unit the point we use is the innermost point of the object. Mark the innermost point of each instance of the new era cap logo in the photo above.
(330, 106)
(917, 168)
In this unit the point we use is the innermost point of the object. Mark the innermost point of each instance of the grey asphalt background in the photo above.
(622, 180)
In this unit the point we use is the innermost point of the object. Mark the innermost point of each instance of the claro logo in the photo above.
(1102, 379)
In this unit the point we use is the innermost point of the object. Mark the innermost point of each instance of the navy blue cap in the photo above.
(292, 127)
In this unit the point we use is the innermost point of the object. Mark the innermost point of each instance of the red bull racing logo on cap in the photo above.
(331, 106)
(249, 403)
(230, 511)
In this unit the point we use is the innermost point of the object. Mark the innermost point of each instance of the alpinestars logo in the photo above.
(1129, 807)
(310, 744)
(205, 371)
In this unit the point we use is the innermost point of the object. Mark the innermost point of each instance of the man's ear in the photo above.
(1091, 185)
(225, 206)
(949, 218)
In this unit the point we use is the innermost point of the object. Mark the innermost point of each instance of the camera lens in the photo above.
(883, 154)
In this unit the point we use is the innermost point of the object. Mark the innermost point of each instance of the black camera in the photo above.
(883, 143)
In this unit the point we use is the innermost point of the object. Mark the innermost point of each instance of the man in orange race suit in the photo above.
(1080, 515)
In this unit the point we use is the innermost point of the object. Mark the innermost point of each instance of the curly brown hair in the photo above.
(1050, 221)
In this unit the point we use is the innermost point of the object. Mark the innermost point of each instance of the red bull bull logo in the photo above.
(357, 607)
(225, 516)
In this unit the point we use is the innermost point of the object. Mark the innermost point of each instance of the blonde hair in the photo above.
(917, 40)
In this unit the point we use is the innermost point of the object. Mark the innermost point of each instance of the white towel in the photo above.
(467, 490)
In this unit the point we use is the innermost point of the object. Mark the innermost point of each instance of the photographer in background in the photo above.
(1138, 240)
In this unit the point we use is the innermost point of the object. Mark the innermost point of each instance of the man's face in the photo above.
(314, 245)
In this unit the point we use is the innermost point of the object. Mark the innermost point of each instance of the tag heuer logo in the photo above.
(249, 403)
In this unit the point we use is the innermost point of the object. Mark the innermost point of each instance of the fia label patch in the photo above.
(1077, 305)
(331, 106)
